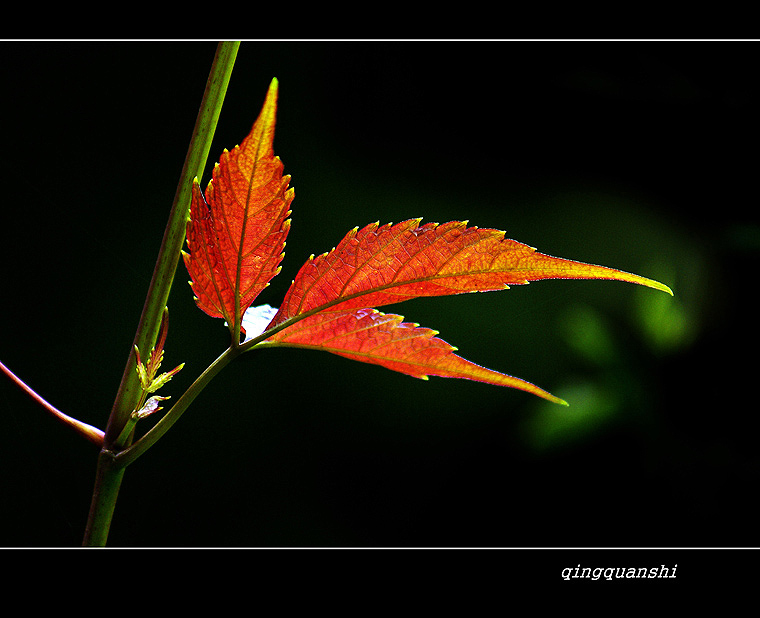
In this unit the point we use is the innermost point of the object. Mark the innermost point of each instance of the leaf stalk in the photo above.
(130, 454)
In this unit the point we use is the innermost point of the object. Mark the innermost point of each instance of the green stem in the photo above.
(174, 236)
(111, 466)
(109, 473)
(107, 483)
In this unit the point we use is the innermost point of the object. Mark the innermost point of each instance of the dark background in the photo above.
(640, 156)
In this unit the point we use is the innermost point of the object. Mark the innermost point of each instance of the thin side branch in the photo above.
(89, 432)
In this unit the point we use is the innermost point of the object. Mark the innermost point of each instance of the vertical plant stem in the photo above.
(107, 484)
(174, 236)
(109, 474)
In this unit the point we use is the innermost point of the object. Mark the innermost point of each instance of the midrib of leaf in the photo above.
(411, 256)
(437, 276)
(260, 272)
(239, 267)
(259, 141)
(238, 243)
(238, 273)
(567, 271)
(428, 278)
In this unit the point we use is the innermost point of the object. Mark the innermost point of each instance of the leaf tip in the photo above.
(270, 102)
(549, 397)
(651, 283)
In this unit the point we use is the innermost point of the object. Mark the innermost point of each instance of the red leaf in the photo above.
(380, 265)
(236, 234)
(370, 336)
(236, 237)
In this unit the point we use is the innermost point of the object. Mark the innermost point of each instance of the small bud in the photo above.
(149, 408)
(163, 379)
(157, 353)
(148, 380)
(145, 379)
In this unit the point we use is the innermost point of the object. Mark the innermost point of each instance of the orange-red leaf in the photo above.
(236, 233)
(370, 336)
(380, 265)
